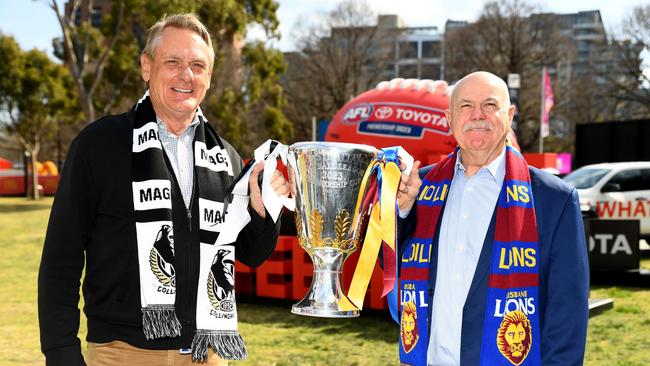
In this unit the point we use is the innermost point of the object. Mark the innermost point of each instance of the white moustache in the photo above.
(483, 125)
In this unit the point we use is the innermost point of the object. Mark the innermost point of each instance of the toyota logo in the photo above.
(384, 112)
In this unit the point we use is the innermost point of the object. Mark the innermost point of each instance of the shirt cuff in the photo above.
(403, 213)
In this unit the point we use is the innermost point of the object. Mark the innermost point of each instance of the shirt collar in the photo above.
(194, 123)
(497, 168)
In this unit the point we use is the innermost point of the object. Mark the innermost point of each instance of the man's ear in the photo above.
(145, 67)
(511, 113)
(448, 117)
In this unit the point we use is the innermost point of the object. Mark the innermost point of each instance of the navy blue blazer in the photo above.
(563, 302)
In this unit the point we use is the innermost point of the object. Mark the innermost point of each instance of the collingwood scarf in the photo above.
(511, 326)
(216, 313)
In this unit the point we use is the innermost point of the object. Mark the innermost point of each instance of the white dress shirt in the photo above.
(180, 152)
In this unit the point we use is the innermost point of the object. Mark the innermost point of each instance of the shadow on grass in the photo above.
(614, 291)
(371, 323)
(24, 208)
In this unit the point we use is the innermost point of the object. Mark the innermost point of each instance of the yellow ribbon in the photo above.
(381, 227)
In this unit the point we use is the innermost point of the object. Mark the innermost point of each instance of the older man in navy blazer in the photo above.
(458, 305)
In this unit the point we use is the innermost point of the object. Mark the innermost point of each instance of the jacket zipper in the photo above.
(189, 219)
(190, 252)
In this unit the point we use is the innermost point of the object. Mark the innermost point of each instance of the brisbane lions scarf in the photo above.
(216, 313)
(511, 326)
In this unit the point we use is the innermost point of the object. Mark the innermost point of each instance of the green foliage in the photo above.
(225, 111)
(35, 96)
(265, 67)
(246, 80)
(277, 124)
(10, 65)
(228, 17)
(34, 93)
(262, 87)
(245, 77)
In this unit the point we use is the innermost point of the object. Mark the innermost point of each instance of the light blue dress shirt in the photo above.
(465, 222)
(181, 155)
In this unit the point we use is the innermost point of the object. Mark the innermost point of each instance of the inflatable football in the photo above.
(405, 112)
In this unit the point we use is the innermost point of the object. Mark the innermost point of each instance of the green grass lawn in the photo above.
(274, 336)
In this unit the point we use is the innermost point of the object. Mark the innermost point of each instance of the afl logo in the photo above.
(358, 113)
(383, 113)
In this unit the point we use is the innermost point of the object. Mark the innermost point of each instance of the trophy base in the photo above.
(323, 313)
(325, 298)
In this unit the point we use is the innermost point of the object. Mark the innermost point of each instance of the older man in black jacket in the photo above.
(142, 199)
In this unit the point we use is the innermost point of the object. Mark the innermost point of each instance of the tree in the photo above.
(510, 36)
(340, 55)
(34, 93)
(104, 61)
(630, 84)
(248, 114)
(246, 99)
(85, 49)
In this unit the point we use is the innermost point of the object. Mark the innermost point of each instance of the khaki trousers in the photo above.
(118, 353)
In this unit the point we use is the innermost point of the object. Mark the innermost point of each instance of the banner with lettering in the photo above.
(396, 119)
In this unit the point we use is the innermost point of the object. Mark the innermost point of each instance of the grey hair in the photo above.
(183, 21)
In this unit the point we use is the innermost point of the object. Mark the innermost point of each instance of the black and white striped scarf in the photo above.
(216, 313)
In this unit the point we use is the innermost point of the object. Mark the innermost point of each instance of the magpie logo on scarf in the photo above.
(216, 313)
(511, 326)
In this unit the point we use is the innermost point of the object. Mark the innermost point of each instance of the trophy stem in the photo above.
(325, 297)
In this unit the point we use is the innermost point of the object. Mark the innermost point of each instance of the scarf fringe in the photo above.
(160, 322)
(228, 345)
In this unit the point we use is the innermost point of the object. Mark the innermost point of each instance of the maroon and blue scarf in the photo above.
(511, 326)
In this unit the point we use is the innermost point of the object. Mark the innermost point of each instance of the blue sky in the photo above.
(34, 24)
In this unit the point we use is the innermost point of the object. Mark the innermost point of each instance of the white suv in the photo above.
(615, 191)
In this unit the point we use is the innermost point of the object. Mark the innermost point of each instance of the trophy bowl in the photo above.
(325, 179)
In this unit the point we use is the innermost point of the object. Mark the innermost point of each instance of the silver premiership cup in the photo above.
(325, 179)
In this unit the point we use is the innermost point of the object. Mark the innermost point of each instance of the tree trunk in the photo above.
(34, 194)
(230, 72)
(88, 107)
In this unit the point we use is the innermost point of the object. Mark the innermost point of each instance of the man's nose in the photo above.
(477, 113)
(186, 74)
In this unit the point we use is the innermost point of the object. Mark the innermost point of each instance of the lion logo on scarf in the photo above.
(514, 337)
(161, 257)
(409, 334)
(221, 281)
